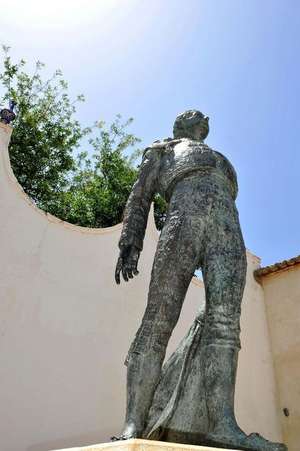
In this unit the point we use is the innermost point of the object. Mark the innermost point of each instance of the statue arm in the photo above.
(139, 201)
(136, 216)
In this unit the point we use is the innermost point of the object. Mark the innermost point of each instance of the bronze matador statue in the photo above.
(190, 399)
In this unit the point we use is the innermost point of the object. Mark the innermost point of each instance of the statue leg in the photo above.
(224, 273)
(174, 265)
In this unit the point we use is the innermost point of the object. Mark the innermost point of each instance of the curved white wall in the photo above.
(65, 328)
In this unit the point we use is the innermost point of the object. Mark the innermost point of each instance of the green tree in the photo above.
(45, 130)
(100, 185)
(87, 188)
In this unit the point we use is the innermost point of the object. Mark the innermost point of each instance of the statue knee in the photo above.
(222, 328)
(149, 343)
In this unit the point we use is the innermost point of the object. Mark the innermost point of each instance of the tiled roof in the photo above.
(285, 264)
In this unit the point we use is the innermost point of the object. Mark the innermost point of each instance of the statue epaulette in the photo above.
(162, 141)
(160, 144)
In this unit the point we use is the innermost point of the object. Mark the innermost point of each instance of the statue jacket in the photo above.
(164, 163)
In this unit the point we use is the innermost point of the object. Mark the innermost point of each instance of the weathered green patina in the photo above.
(190, 399)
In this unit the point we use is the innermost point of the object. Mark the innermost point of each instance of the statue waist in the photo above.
(204, 180)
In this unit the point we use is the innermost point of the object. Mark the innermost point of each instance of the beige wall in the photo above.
(256, 389)
(282, 297)
(65, 328)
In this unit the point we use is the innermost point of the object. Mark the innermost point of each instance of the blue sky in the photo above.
(235, 60)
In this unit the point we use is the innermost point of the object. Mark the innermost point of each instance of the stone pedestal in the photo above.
(142, 445)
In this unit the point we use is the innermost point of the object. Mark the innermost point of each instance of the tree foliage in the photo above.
(100, 185)
(87, 188)
(45, 131)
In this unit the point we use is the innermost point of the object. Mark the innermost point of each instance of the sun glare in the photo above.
(36, 14)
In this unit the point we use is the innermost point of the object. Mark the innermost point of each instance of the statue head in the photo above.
(191, 124)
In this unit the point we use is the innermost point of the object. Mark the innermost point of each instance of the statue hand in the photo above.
(127, 263)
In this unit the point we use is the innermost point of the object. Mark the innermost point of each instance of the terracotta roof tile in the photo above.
(285, 264)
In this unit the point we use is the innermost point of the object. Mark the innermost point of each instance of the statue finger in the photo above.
(124, 274)
(118, 270)
(134, 265)
(128, 268)
(132, 268)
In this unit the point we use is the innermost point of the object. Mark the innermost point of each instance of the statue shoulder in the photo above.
(226, 161)
(230, 171)
(161, 145)
(158, 146)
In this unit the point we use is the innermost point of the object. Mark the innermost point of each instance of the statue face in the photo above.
(200, 130)
(191, 124)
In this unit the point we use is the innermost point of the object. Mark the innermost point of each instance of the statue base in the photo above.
(143, 445)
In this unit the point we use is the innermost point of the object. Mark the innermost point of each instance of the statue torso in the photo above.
(181, 158)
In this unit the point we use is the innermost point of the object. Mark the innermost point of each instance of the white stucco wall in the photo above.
(65, 329)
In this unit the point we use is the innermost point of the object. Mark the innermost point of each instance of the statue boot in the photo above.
(143, 373)
(220, 365)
